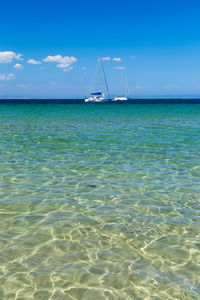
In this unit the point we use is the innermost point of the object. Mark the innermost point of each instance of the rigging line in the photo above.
(127, 87)
(93, 87)
(100, 75)
(121, 84)
(105, 79)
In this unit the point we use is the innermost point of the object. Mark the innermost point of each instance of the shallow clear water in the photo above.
(100, 202)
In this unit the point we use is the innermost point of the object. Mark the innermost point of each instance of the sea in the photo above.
(100, 201)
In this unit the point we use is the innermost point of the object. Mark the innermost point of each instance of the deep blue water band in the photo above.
(81, 101)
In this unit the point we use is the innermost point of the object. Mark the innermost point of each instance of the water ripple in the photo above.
(99, 203)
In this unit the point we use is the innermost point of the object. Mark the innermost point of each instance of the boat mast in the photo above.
(126, 87)
(95, 83)
(122, 86)
(100, 75)
(105, 78)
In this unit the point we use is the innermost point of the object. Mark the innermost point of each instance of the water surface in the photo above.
(100, 201)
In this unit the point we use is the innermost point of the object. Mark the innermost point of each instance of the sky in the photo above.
(49, 49)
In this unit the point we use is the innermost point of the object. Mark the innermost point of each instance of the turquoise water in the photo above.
(100, 202)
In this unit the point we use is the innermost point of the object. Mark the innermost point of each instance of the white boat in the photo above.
(96, 97)
(124, 91)
(120, 98)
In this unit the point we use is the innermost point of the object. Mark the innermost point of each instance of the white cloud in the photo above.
(117, 59)
(62, 61)
(120, 68)
(24, 85)
(7, 76)
(173, 86)
(8, 56)
(106, 58)
(83, 68)
(142, 87)
(18, 66)
(68, 69)
(33, 62)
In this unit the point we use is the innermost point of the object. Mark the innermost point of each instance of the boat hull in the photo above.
(120, 99)
(96, 100)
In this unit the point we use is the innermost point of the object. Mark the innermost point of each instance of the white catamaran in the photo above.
(99, 96)
(124, 91)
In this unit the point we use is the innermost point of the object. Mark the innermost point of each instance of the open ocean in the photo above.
(100, 201)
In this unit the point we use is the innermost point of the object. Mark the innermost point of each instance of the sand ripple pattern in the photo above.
(99, 202)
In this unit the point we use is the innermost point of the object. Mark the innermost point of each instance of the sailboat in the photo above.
(99, 96)
(124, 92)
(120, 98)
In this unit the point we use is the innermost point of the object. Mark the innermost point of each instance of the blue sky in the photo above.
(50, 48)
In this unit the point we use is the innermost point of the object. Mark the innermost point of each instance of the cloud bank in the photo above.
(117, 59)
(107, 58)
(18, 66)
(8, 56)
(7, 76)
(62, 61)
(33, 62)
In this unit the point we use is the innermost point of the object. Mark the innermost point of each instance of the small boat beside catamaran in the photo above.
(124, 91)
(99, 95)
(120, 98)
